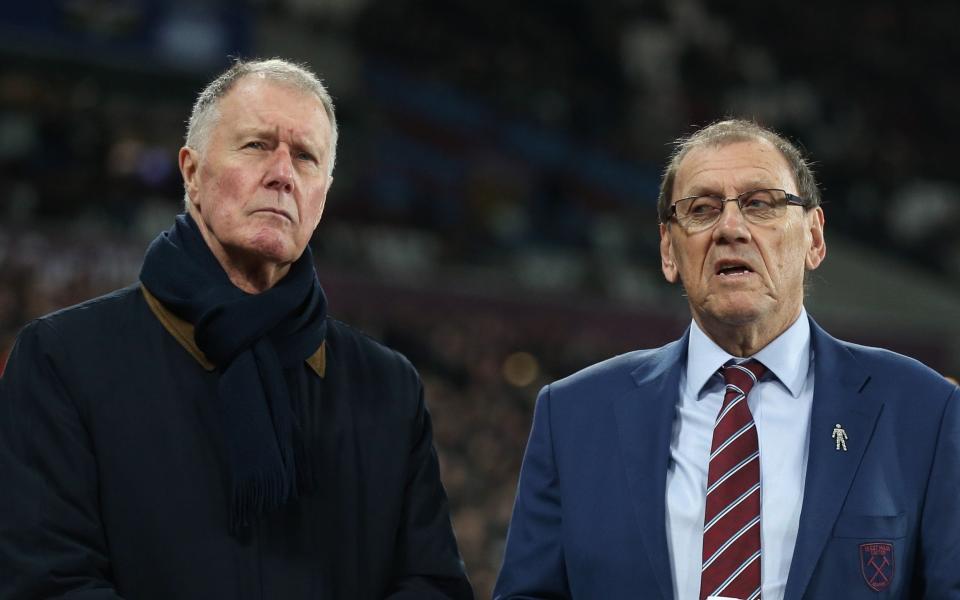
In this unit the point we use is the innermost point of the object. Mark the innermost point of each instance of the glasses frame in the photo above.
(791, 200)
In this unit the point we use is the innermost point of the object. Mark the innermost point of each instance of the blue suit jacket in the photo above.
(589, 519)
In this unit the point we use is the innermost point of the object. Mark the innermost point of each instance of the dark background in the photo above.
(493, 211)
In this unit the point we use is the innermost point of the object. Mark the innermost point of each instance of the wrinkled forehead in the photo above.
(259, 91)
(735, 165)
(260, 102)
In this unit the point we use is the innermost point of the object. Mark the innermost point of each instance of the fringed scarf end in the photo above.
(257, 497)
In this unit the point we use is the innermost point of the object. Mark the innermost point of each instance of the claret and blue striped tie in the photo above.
(731, 523)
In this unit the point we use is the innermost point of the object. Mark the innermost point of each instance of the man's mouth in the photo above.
(728, 269)
(276, 211)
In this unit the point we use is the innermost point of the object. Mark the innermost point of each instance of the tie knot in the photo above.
(743, 375)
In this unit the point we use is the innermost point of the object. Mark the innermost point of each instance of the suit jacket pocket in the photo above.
(887, 527)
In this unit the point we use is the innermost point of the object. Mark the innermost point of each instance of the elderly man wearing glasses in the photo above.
(711, 467)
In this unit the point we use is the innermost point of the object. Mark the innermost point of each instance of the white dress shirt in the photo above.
(780, 403)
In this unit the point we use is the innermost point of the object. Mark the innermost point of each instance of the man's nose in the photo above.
(732, 224)
(279, 175)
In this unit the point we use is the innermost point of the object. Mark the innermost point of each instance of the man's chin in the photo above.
(736, 311)
(271, 247)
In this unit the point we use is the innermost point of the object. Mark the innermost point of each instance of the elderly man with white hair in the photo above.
(211, 432)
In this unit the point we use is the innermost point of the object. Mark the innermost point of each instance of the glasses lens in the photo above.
(700, 212)
(759, 206)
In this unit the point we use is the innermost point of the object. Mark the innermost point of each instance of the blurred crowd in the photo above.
(492, 155)
(866, 88)
(487, 131)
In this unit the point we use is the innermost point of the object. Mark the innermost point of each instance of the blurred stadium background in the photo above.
(493, 210)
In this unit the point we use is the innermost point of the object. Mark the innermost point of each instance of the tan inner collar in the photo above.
(182, 331)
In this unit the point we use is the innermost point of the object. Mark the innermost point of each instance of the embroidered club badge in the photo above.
(876, 564)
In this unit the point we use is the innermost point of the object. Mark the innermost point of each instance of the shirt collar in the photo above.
(787, 357)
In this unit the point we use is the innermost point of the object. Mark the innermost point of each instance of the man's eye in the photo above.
(307, 157)
(704, 205)
(758, 202)
(256, 145)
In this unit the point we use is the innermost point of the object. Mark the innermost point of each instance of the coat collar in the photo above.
(182, 331)
(645, 417)
(838, 398)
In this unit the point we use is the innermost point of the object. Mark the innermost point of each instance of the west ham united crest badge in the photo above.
(876, 564)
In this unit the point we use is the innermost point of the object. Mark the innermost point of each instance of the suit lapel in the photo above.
(839, 381)
(645, 421)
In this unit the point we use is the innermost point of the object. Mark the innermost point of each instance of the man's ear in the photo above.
(323, 201)
(189, 160)
(818, 244)
(668, 263)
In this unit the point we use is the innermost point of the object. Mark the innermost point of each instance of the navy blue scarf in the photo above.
(251, 338)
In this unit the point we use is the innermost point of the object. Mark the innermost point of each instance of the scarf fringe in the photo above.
(262, 494)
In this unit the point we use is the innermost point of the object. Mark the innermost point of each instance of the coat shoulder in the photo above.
(897, 371)
(101, 312)
(355, 348)
(621, 373)
(90, 322)
(903, 383)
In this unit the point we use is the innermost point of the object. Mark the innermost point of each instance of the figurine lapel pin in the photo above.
(841, 437)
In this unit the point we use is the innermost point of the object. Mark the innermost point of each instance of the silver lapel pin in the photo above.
(841, 437)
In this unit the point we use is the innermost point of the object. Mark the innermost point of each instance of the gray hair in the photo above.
(205, 111)
(722, 133)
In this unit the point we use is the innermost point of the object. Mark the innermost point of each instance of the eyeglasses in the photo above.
(697, 213)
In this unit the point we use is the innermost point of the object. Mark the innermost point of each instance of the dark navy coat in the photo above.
(112, 471)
